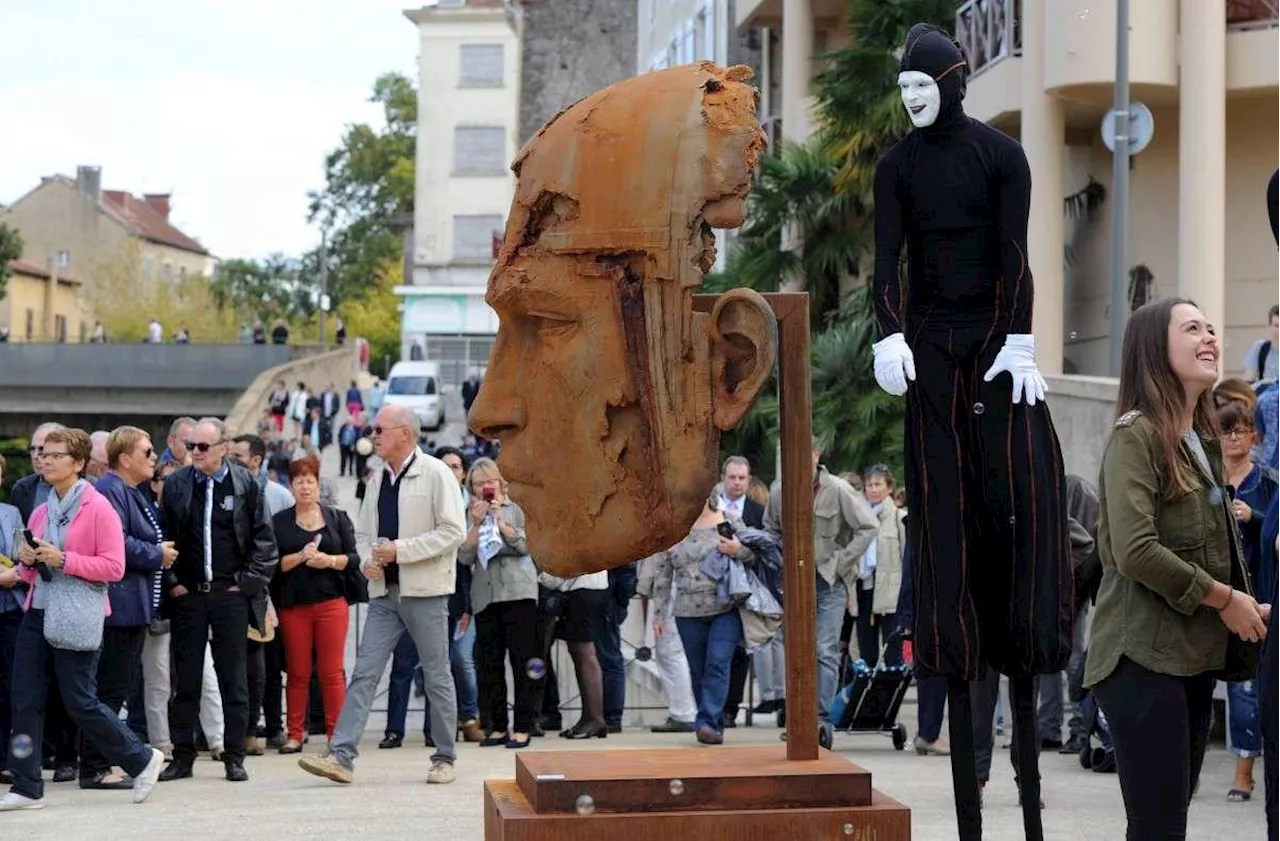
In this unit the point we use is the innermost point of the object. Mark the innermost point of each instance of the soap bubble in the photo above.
(1084, 13)
(979, 408)
(1012, 519)
(677, 787)
(536, 669)
(22, 746)
(585, 805)
(1073, 335)
(848, 829)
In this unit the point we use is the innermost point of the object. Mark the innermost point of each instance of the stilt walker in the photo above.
(985, 487)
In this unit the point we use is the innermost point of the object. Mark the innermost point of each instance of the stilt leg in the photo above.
(964, 775)
(1027, 761)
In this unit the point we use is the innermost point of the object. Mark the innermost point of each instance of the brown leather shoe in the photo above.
(253, 747)
(471, 731)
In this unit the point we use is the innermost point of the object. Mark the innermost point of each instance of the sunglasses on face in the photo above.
(201, 447)
(379, 430)
(148, 452)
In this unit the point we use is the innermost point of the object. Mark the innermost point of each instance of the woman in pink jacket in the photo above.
(77, 534)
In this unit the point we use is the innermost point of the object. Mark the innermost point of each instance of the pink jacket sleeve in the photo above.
(95, 543)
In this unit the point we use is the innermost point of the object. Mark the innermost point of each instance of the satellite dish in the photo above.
(1142, 127)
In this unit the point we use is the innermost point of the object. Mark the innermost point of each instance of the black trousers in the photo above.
(61, 737)
(119, 665)
(931, 706)
(273, 690)
(982, 704)
(738, 668)
(9, 624)
(508, 629)
(876, 630)
(1160, 727)
(988, 530)
(196, 616)
(255, 671)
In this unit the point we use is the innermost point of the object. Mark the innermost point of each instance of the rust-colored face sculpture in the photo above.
(607, 391)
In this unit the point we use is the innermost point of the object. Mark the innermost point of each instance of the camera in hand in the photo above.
(42, 569)
(489, 494)
(725, 530)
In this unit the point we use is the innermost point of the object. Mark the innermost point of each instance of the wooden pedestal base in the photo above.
(734, 794)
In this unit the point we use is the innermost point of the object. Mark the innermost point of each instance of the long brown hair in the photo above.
(1149, 385)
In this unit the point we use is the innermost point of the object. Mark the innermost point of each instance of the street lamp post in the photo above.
(1120, 187)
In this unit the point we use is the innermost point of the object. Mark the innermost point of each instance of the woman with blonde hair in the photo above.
(504, 602)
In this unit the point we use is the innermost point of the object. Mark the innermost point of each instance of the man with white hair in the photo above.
(408, 531)
(31, 491)
(97, 466)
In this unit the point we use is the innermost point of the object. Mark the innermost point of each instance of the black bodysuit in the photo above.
(985, 480)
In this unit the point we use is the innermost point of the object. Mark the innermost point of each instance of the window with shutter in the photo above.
(473, 237)
(480, 65)
(479, 150)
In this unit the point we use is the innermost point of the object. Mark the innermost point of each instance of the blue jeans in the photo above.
(709, 643)
(406, 671)
(1244, 733)
(462, 662)
(34, 663)
(830, 618)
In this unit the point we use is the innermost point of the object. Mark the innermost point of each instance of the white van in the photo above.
(417, 385)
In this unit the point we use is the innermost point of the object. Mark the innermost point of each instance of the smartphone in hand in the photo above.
(725, 530)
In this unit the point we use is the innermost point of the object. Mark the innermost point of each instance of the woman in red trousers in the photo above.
(319, 572)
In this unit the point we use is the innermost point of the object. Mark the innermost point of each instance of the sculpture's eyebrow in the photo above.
(520, 291)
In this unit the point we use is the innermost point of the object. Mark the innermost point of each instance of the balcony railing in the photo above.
(989, 31)
(1253, 14)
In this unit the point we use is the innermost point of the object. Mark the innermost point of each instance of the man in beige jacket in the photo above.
(407, 533)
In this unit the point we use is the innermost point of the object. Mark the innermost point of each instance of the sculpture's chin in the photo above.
(728, 212)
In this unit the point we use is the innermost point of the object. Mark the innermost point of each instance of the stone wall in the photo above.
(571, 48)
(1083, 413)
(338, 367)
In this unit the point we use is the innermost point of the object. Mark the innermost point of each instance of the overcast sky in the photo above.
(230, 105)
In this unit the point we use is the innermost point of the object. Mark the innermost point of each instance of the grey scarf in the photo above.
(61, 512)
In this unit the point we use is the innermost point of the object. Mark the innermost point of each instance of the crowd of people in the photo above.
(207, 589)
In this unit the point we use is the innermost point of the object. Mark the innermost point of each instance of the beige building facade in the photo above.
(108, 240)
(1043, 71)
(41, 304)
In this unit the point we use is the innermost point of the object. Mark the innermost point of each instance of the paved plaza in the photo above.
(390, 797)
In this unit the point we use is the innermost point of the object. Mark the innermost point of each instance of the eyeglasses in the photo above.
(201, 447)
(378, 430)
(1237, 434)
(47, 454)
(35, 451)
(148, 452)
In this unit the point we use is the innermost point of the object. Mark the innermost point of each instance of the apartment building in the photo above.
(468, 102)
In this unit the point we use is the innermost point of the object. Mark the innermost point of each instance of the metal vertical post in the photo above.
(1120, 188)
(324, 287)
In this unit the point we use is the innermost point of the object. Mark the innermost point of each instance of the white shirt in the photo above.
(732, 507)
(155, 333)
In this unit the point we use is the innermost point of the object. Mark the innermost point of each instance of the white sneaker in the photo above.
(146, 781)
(13, 801)
(441, 772)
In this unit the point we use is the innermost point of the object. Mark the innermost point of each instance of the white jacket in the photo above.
(432, 527)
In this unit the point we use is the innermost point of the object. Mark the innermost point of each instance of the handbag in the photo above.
(1243, 657)
(74, 613)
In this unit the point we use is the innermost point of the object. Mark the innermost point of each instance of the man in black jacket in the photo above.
(29, 492)
(216, 513)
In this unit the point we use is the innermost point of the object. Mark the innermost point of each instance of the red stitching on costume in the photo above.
(942, 75)
(964, 540)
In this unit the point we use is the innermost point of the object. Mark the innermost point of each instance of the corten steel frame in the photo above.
(795, 402)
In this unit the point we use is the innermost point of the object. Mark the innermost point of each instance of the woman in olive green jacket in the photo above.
(1165, 607)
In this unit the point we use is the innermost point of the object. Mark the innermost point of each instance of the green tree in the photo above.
(254, 289)
(10, 250)
(376, 316)
(369, 186)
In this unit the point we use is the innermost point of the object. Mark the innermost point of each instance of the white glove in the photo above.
(1018, 357)
(894, 364)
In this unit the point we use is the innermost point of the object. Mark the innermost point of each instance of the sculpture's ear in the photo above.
(744, 345)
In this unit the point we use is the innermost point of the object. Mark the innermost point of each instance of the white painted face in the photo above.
(921, 96)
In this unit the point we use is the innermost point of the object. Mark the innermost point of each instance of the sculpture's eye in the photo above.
(551, 325)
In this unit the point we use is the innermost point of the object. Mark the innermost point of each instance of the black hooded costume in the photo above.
(985, 480)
